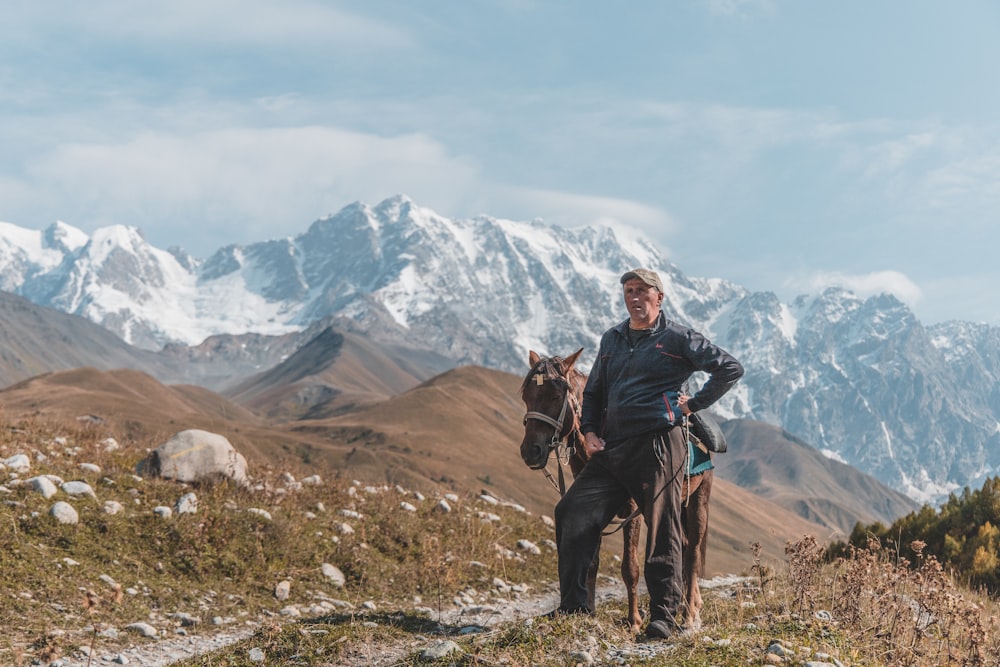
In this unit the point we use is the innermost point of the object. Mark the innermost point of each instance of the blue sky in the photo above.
(781, 144)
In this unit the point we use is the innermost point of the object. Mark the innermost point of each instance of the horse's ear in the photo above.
(571, 359)
(533, 358)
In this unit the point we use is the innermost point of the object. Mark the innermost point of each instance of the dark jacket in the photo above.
(633, 386)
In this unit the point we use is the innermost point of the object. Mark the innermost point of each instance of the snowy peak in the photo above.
(861, 379)
(63, 238)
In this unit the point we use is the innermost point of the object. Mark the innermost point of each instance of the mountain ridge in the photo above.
(862, 380)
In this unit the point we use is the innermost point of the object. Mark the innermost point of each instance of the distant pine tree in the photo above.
(963, 535)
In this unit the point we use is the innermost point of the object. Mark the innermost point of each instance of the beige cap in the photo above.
(646, 276)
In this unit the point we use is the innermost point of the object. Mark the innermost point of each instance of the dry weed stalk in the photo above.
(904, 614)
(805, 559)
(93, 604)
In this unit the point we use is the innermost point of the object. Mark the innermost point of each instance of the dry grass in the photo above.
(63, 582)
(69, 585)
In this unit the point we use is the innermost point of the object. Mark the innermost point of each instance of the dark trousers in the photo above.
(650, 469)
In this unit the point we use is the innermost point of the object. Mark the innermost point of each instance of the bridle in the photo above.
(563, 429)
(551, 368)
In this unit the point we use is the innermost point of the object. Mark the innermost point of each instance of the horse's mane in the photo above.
(545, 366)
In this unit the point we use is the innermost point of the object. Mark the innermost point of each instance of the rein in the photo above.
(562, 430)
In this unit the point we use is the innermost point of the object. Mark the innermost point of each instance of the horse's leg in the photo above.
(695, 522)
(630, 567)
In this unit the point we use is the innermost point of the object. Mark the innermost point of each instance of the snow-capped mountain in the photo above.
(863, 380)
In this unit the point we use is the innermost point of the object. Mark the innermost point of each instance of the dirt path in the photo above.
(478, 617)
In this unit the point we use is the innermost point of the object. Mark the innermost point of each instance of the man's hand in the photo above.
(682, 401)
(592, 444)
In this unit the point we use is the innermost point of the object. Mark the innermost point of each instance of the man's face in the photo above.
(642, 301)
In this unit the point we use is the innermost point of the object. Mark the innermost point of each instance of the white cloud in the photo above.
(888, 157)
(242, 184)
(974, 178)
(288, 23)
(629, 219)
(245, 184)
(871, 284)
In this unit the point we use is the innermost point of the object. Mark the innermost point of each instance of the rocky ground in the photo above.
(474, 618)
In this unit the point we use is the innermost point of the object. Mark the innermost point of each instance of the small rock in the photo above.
(777, 648)
(408, 507)
(529, 546)
(443, 506)
(64, 513)
(91, 467)
(256, 655)
(282, 590)
(440, 649)
(333, 574)
(163, 511)
(312, 480)
(186, 620)
(19, 463)
(78, 489)
(256, 511)
(144, 629)
(112, 507)
(43, 485)
(187, 504)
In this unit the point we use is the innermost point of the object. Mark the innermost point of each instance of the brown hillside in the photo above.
(463, 428)
(459, 430)
(131, 405)
(334, 372)
(36, 340)
(776, 465)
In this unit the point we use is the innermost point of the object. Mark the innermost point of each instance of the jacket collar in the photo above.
(661, 323)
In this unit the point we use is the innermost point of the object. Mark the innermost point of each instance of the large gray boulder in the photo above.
(195, 455)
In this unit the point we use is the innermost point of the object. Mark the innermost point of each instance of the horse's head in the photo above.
(551, 394)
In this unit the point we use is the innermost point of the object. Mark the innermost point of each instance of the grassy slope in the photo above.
(65, 583)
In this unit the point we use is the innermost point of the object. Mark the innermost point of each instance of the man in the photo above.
(632, 409)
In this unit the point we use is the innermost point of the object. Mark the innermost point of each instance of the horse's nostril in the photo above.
(534, 455)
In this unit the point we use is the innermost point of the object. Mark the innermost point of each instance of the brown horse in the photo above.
(553, 392)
